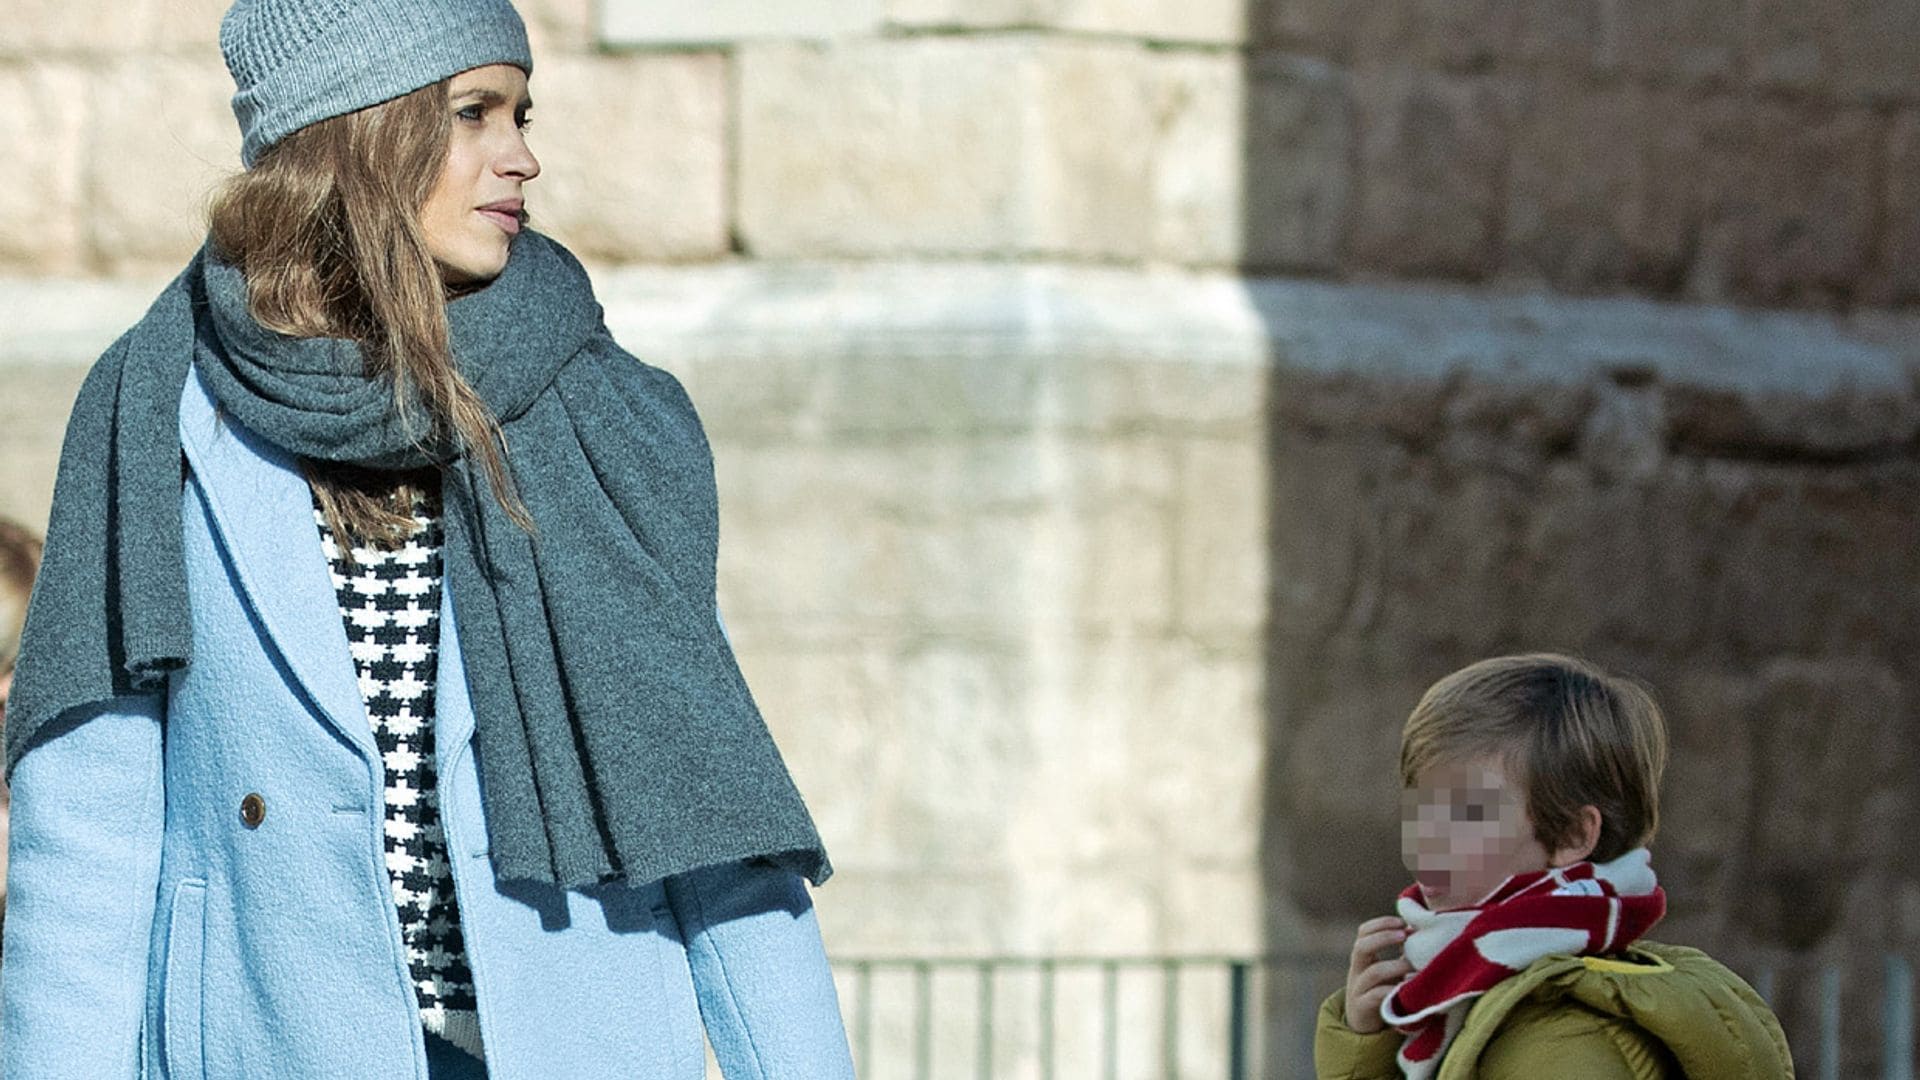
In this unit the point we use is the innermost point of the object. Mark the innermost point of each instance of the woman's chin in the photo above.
(471, 273)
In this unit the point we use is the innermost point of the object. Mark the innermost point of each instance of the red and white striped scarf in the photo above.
(1457, 955)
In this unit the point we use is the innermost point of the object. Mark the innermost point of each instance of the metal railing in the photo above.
(1195, 1017)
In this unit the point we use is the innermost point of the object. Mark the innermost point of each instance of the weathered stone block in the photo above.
(150, 170)
(33, 420)
(1196, 110)
(881, 148)
(1895, 278)
(1567, 34)
(1333, 812)
(633, 155)
(1872, 49)
(1694, 42)
(39, 29)
(1779, 197)
(1786, 43)
(1811, 558)
(47, 132)
(1221, 538)
(187, 28)
(1298, 152)
(718, 22)
(1221, 22)
(1430, 153)
(555, 27)
(1578, 190)
(1453, 34)
(1838, 732)
(958, 146)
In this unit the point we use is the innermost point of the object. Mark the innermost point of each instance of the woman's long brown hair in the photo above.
(326, 229)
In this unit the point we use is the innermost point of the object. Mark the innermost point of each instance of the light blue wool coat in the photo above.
(151, 933)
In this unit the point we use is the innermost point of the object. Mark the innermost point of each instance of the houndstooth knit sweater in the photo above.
(390, 602)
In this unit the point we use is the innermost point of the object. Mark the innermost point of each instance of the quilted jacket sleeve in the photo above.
(1340, 1053)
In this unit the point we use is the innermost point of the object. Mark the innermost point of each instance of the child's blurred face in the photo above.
(1464, 829)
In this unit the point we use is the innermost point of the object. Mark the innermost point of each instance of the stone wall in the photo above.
(1756, 152)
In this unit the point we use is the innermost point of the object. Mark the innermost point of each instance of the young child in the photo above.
(1531, 785)
(19, 562)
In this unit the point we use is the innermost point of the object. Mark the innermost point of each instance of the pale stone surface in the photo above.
(1215, 22)
(1198, 199)
(151, 168)
(877, 148)
(1430, 151)
(42, 29)
(632, 154)
(556, 27)
(33, 418)
(47, 140)
(716, 22)
(982, 146)
(186, 28)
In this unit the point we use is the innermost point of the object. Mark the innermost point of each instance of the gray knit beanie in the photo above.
(296, 62)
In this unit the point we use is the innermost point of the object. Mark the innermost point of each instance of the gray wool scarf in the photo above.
(618, 737)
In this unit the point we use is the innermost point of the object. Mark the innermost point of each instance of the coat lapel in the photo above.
(262, 514)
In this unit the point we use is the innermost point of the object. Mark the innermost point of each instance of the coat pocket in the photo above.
(180, 1002)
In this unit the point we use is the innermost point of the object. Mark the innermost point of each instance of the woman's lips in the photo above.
(505, 219)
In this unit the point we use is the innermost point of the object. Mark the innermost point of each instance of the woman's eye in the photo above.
(1472, 812)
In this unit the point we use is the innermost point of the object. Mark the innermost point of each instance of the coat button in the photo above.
(253, 809)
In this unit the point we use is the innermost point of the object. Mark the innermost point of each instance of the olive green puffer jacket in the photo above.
(1656, 1012)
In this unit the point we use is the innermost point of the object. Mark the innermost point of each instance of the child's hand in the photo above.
(1369, 978)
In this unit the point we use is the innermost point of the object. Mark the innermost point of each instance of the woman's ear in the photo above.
(1586, 837)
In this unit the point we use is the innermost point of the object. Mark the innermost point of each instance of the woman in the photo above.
(373, 715)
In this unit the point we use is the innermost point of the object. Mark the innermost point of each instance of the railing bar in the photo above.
(1110, 1012)
(1170, 1020)
(863, 1015)
(923, 1021)
(1237, 1022)
(1830, 1023)
(1046, 1020)
(1308, 1009)
(985, 1055)
(1896, 1021)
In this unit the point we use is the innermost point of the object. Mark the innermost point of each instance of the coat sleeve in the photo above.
(83, 865)
(1341, 1053)
(760, 972)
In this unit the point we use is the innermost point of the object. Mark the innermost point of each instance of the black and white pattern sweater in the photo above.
(390, 603)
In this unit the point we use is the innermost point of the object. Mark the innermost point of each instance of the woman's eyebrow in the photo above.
(492, 97)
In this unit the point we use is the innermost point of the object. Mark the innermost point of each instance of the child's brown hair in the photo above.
(1571, 734)
(19, 562)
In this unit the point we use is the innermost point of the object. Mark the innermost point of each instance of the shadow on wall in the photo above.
(1725, 504)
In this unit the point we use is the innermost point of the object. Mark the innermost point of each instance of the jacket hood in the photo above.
(1713, 1023)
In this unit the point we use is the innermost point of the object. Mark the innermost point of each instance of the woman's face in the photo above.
(476, 205)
